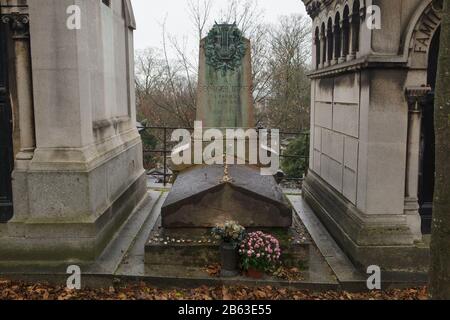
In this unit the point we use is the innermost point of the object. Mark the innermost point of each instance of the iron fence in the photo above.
(158, 148)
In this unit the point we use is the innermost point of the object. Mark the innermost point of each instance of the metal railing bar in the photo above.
(164, 151)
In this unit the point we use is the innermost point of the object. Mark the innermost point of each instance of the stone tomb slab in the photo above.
(199, 199)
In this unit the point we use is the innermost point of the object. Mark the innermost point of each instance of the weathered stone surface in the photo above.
(85, 176)
(52, 240)
(199, 199)
(224, 95)
(383, 240)
(196, 247)
(369, 197)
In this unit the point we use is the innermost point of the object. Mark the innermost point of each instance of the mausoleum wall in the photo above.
(84, 177)
(363, 150)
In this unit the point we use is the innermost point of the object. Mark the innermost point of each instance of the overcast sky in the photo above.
(151, 13)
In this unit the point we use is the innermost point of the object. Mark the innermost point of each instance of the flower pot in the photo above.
(229, 260)
(254, 273)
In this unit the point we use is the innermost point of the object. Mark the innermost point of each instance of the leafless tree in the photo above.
(200, 15)
(288, 101)
(163, 94)
(166, 87)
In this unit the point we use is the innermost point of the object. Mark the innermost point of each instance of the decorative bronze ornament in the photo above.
(225, 47)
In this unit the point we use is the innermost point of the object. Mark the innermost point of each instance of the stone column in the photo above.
(336, 35)
(316, 51)
(328, 59)
(362, 27)
(414, 97)
(342, 58)
(322, 50)
(20, 33)
(352, 34)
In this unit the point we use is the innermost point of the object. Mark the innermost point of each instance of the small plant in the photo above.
(296, 167)
(260, 251)
(229, 232)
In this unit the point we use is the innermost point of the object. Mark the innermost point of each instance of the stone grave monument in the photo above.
(205, 195)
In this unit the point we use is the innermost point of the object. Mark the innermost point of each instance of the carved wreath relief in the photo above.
(225, 47)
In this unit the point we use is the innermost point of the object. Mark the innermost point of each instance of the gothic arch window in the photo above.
(356, 23)
(317, 45)
(6, 130)
(330, 42)
(324, 46)
(337, 36)
(346, 31)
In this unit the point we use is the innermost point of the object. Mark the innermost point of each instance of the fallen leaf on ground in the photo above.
(16, 290)
(213, 270)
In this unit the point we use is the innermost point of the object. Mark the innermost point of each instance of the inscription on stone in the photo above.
(428, 24)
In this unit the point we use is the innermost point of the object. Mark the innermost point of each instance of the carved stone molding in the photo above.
(19, 24)
(314, 7)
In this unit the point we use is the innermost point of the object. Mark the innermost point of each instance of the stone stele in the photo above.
(224, 96)
(203, 196)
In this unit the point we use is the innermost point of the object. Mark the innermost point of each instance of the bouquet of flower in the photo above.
(260, 251)
(229, 232)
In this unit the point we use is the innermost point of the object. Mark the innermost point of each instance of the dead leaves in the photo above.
(289, 274)
(225, 294)
(213, 270)
(12, 290)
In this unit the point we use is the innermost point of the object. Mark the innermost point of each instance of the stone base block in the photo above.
(69, 204)
(82, 241)
(196, 247)
(383, 240)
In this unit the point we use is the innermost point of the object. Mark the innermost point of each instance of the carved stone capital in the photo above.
(19, 24)
(416, 96)
(313, 8)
